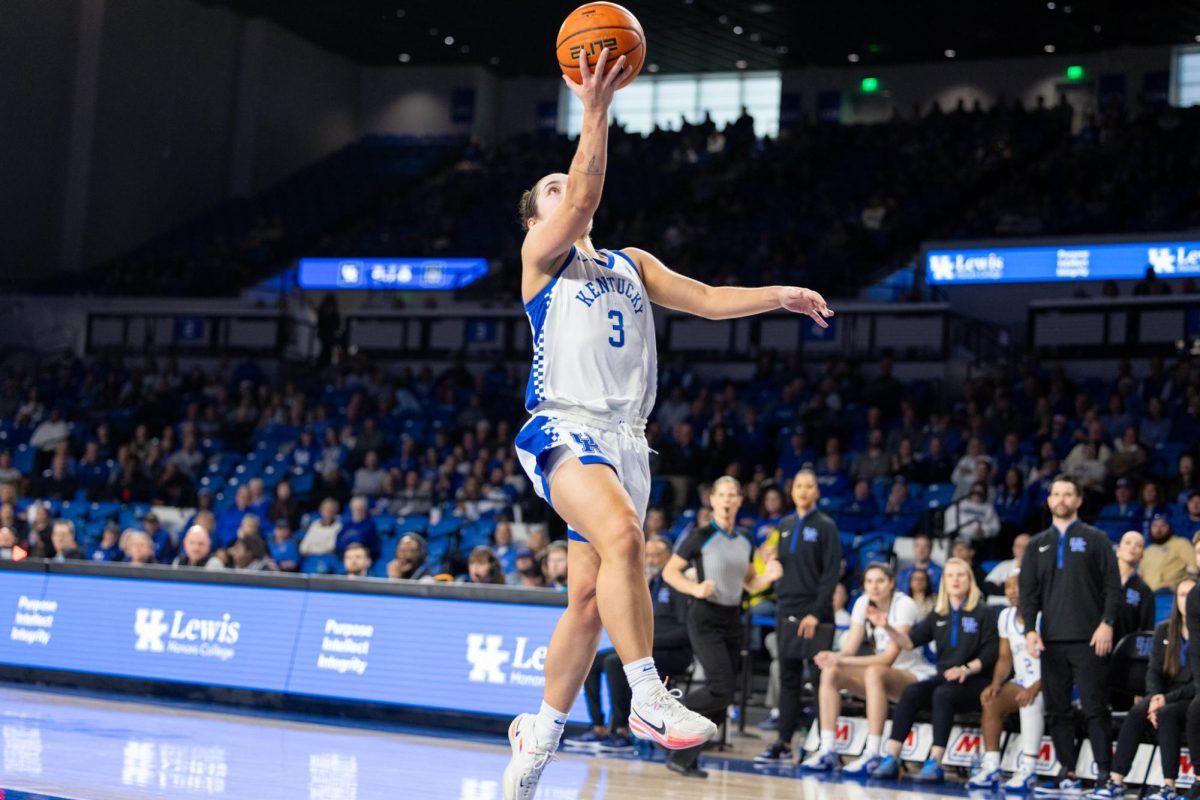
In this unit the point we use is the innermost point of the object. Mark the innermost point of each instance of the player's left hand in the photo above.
(805, 301)
(1026, 696)
(1102, 639)
(808, 626)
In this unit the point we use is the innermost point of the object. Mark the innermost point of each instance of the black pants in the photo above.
(1170, 735)
(716, 635)
(1069, 664)
(671, 662)
(795, 661)
(945, 699)
(1193, 738)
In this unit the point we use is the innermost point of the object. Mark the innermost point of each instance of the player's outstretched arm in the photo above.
(679, 292)
(547, 241)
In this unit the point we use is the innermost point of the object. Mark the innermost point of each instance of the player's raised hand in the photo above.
(805, 301)
(597, 87)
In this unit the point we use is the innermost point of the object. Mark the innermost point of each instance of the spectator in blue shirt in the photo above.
(922, 560)
(1011, 457)
(902, 513)
(108, 549)
(1152, 506)
(502, 546)
(1187, 520)
(1124, 507)
(769, 514)
(93, 472)
(284, 550)
(1012, 503)
(164, 543)
(360, 528)
(231, 519)
(306, 453)
(795, 455)
(861, 514)
(832, 478)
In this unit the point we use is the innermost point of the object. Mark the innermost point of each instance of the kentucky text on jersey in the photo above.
(593, 289)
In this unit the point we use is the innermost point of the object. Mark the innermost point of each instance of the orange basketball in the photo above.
(594, 26)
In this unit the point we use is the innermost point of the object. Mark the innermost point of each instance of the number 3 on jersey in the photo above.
(618, 338)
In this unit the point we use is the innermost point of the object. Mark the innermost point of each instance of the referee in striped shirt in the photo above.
(723, 557)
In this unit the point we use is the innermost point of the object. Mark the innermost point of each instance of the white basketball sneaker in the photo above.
(663, 719)
(522, 774)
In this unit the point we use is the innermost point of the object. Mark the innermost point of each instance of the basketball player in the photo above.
(1022, 694)
(591, 386)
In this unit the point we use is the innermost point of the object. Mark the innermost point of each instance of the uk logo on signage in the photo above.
(487, 657)
(150, 627)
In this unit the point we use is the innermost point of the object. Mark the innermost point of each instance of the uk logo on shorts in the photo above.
(586, 441)
(970, 625)
(810, 534)
(1078, 545)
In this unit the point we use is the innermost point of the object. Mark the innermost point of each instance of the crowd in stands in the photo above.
(823, 205)
(289, 474)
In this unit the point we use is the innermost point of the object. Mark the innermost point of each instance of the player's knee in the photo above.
(830, 674)
(873, 675)
(624, 540)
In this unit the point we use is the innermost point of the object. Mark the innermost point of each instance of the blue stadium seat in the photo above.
(445, 528)
(385, 524)
(659, 486)
(414, 523)
(831, 504)
(939, 495)
(22, 458)
(302, 483)
(103, 510)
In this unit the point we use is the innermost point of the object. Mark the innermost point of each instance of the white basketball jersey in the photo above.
(593, 340)
(1027, 670)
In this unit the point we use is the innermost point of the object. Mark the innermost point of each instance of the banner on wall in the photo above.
(1073, 261)
(462, 655)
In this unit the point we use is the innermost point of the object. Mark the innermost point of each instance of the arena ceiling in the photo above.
(516, 37)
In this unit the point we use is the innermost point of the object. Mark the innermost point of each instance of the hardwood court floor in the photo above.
(68, 745)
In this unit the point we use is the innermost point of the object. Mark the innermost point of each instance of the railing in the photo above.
(1108, 328)
(913, 332)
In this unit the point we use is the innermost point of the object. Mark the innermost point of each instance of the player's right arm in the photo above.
(548, 241)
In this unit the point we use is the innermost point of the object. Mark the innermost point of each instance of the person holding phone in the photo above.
(878, 677)
(964, 630)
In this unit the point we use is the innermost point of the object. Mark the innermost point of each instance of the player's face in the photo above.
(1181, 593)
(1012, 591)
(877, 585)
(551, 191)
(1131, 547)
(1063, 500)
